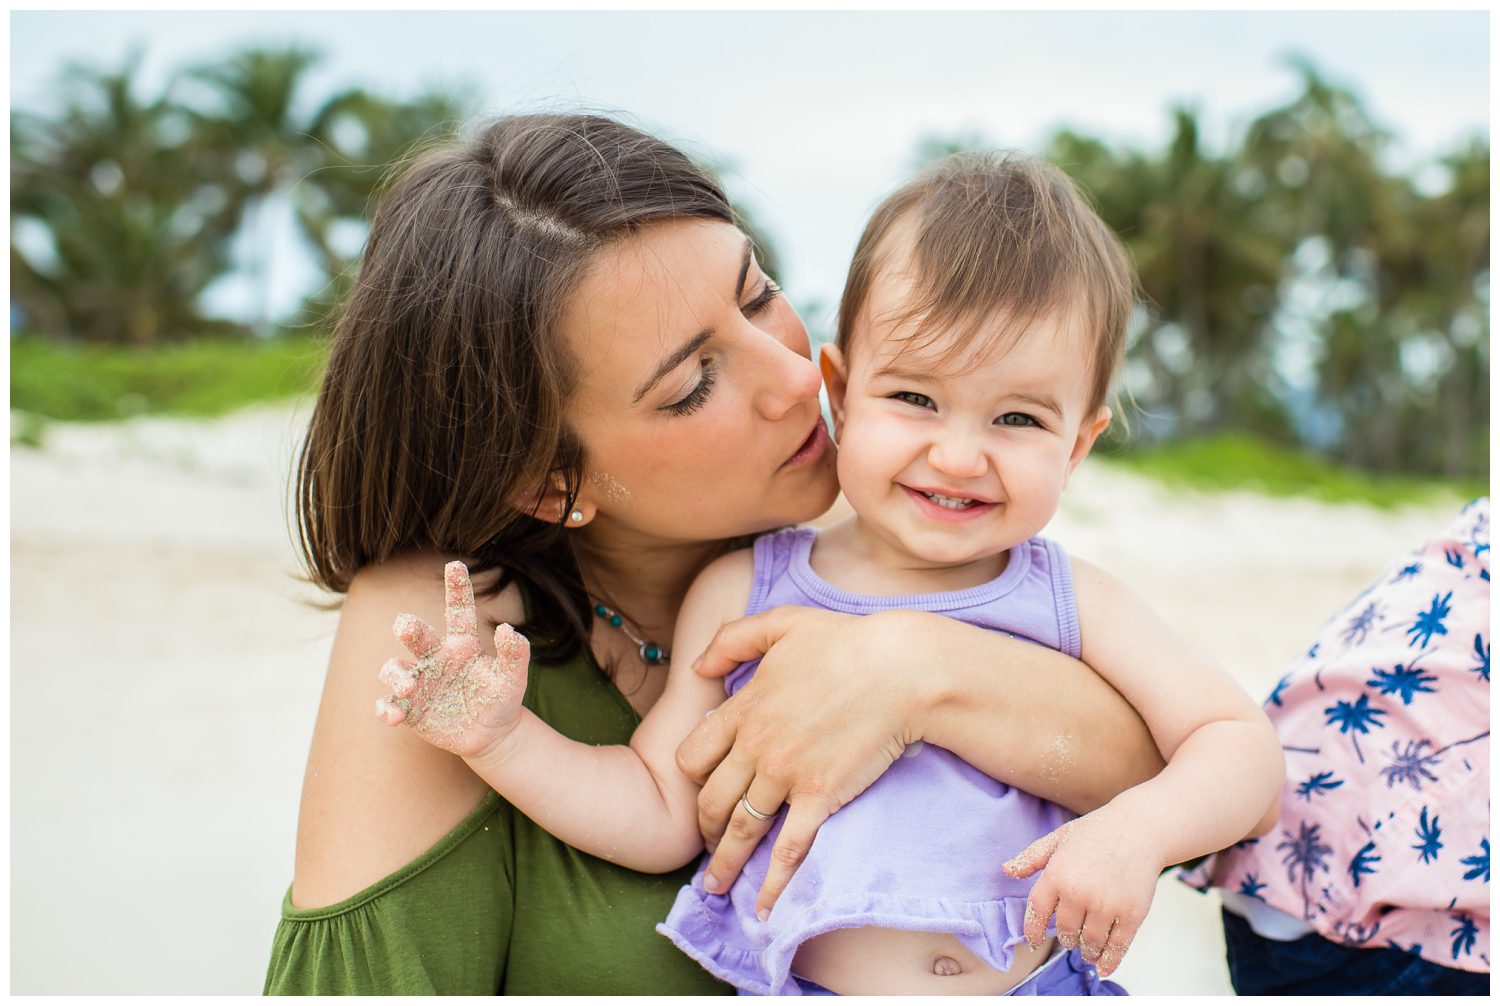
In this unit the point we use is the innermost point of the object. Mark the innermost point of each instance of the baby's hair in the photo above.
(997, 235)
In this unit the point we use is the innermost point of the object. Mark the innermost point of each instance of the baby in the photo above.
(981, 325)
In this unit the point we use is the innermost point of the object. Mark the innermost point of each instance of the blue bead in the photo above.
(615, 620)
(652, 653)
(600, 610)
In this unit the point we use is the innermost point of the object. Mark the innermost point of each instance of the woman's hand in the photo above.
(1099, 878)
(455, 695)
(817, 724)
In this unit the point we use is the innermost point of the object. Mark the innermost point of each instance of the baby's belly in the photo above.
(872, 961)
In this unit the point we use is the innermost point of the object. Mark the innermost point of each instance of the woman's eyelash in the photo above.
(763, 300)
(916, 398)
(694, 399)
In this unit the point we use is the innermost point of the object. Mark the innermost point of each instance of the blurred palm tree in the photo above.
(1402, 328)
(253, 120)
(365, 139)
(118, 223)
(326, 160)
(1208, 269)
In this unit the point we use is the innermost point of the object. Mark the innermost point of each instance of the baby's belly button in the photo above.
(874, 961)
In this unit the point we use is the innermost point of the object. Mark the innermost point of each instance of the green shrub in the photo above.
(1240, 461)
(205, 377)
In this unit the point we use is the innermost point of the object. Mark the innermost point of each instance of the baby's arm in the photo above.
(629, 805)
(1224, 772)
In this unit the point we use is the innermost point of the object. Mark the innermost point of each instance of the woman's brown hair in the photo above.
(442, 412)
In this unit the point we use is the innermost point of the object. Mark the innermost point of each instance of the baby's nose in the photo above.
(957, 457)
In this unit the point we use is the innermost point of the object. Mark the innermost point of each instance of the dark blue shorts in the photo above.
(1315, 966)
(1070, 976)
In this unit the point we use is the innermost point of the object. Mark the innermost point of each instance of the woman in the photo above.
(562, 364)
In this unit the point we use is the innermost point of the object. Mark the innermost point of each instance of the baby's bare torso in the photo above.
(869, 960)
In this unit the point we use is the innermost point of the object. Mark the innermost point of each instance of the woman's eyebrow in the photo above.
(696, 342)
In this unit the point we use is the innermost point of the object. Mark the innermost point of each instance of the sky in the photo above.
(816, 116)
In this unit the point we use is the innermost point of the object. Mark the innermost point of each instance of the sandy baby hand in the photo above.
(1098, 878)
(454, 694)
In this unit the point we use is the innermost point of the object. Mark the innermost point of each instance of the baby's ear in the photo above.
(836, 380)
(1087, 434)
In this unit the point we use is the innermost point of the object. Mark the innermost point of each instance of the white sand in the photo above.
(165, 676)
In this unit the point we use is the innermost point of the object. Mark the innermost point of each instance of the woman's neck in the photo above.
(645, 580)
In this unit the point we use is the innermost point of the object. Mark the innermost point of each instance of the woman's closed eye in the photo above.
(693, 400)
(768, 293)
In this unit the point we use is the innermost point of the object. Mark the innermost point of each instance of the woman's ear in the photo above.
(555, 505)
(836, 380)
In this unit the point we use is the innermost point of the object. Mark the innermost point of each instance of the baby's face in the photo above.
(953, 463)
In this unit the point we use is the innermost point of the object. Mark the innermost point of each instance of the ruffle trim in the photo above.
(989, 929)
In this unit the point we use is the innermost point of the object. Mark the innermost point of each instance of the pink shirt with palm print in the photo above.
(1383, 839)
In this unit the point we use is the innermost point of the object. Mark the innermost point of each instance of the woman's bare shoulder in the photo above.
(375, 797)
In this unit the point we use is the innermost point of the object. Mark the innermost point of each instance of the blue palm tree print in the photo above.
(1403, 681)
(1481, 653)
(1455, 557)
(1463, 935)
(1275, 698)
(1304, 854)
(1432, 621)
(1480, 862)
(1317, 784)
(1407, 572)
(1360, 864)
(1429, 838)
(1411, 764)
(1355, 717)
(1250, 886)
(1359, 626)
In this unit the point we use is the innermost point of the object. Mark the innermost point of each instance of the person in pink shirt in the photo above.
(1377, 879)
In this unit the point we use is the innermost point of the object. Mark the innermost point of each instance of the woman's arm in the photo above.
(374, 799)
(838, 697)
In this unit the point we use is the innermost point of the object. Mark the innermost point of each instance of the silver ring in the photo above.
(745, 802)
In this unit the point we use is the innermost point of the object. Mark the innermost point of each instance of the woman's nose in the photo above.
(957, 456)
(791, 379)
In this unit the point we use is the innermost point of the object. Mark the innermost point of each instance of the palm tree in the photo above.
(1208, 269)
(136, 227)
(254, 123)
(364, 139)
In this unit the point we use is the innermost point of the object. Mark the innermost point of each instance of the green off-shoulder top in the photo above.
(498, 905)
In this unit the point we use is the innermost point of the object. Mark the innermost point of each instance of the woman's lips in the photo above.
(810, 449)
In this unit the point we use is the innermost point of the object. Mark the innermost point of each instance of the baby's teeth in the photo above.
(948, 502)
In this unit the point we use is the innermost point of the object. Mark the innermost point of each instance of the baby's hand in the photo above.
(455, 695)
(1100, 877)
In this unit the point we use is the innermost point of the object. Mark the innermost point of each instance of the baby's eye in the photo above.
(921, 401)
(1017, 419)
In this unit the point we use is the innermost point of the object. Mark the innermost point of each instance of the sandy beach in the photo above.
(166, 668)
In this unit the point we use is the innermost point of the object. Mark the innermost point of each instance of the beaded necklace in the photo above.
(651, 653)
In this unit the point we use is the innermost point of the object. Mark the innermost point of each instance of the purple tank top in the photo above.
(921, 848)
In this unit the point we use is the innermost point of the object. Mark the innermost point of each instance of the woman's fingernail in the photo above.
(762, 914)
(711, 884)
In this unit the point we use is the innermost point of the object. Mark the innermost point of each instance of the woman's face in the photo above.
(697, 402)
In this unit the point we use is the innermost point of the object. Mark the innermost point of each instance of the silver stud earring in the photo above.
(576, 516)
